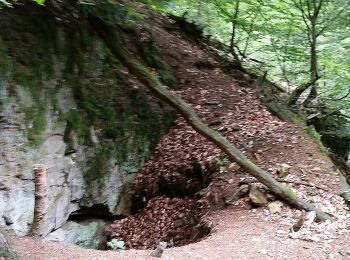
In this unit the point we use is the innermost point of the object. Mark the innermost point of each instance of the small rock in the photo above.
(294, 235)
(281, 232)
(316, 169)
(242, 190)
(257, 196)
(283, 170)
(275, 207)
(159, 250)
(310, 218)
(312, 238)
(263, 251)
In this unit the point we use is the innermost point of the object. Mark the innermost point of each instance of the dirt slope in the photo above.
(229, 104)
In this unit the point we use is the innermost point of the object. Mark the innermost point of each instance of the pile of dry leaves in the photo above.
(176, 220)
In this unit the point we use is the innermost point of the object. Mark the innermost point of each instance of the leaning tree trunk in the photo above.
(113, 41)
(294, 97)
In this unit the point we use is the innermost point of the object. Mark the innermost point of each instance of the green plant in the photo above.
(117, 245)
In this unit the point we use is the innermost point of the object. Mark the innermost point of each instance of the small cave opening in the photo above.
(175, 214)
(98, 211)
(166, 210)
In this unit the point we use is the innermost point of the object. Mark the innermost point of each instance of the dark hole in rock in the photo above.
(96, 211)
(174, 215)
(170, 210)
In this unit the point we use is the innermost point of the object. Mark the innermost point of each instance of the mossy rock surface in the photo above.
(66, 89)
(152, 56)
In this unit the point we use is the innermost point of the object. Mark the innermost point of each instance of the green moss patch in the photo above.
(152, 56)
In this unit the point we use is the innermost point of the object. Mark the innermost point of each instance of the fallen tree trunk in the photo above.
(113, 41)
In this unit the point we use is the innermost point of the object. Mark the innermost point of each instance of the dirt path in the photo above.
(237, 235)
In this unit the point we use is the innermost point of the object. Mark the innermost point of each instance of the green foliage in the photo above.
(152, 56)
(6, 3)
(100, 163)
(40, 2)
(75, 120)
(276, 36)
(36, 115)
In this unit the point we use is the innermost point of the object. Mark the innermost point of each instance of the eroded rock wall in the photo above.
(66, 102)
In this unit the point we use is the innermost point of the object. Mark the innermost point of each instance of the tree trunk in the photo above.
(113, 42)
(314, 75)
(310, 18)
(293, 99)
(38, 228)
(233, 33)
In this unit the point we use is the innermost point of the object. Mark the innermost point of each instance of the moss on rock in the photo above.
(150, 53)
(120, 125)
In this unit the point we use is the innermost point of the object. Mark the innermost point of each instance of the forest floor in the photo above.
(228, 103)
(238, 234)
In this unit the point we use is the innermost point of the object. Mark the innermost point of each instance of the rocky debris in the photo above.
(158, 252)
(257, 196)
(177, 221)
(86, 233)
(304, 226)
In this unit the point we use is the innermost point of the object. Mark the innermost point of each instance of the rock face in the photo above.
(85, 234)
(5, 250)
(63, 104)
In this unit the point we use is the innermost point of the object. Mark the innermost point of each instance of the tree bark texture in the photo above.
(112, 40)
(38, 228)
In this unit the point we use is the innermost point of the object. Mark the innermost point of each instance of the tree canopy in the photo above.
(299, 42)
